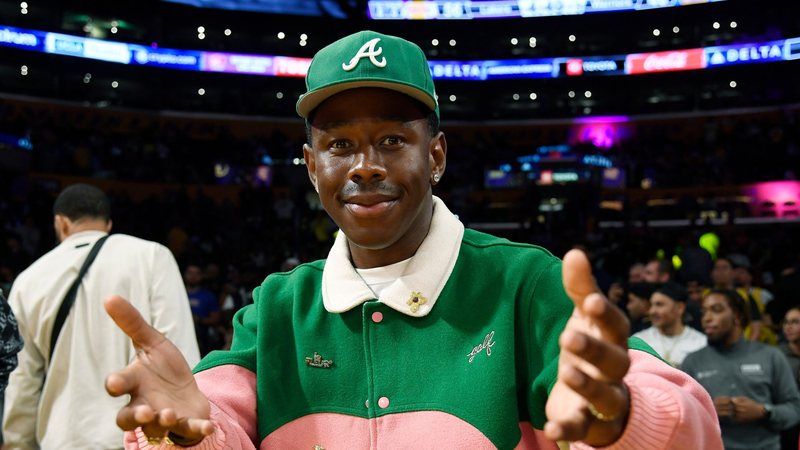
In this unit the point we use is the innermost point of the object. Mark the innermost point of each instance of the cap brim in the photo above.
(311, 100)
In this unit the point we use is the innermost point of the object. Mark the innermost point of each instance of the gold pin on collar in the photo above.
(415, 301)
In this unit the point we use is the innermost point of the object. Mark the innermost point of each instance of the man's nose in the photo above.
(367, 165)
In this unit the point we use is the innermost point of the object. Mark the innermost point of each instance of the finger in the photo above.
(609, 399)
(576, 273)
(573, 428)
(194, 427)
(611, 361)
(132, 323)
(123, 382)
(131, 417)
(610, 320)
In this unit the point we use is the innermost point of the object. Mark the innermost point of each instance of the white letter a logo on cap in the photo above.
(367, 50)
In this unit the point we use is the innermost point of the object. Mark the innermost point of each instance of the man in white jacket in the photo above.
(58, 400)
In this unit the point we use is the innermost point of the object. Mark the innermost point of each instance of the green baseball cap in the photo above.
(368, 59)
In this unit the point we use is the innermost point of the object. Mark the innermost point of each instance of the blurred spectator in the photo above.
(205, 310)
(636, 273)
(722, 277)
(787, 289)
(638, 305)
(754, 295)
(668, 335)
(791, 348)
(752, 385)
(10, 345)
(658, 271)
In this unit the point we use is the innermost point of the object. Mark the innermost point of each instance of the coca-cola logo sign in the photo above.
(665, 61)
(670, 61)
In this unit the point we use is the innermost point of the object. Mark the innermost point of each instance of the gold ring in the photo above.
(155, 441)
(600, 416)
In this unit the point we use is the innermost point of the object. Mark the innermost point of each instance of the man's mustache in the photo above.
(353, 188)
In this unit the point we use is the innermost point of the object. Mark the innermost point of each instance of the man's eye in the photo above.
(339, 144)
(392, 140)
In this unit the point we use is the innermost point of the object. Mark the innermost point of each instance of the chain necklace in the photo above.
(675, 340)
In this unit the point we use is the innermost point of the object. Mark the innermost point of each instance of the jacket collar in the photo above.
(429, 269)
(86, 234)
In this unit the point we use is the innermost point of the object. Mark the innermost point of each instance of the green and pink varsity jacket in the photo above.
(458, 353)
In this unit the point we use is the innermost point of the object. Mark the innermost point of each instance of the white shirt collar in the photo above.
(424, 279)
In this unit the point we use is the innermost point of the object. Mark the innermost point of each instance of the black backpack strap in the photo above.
(69, 299)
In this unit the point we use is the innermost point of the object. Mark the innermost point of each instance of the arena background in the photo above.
(631, 133)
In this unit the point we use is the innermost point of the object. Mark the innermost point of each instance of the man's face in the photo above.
(637, 307)
(636, 274)
(651, 274)
(722, 273)
(372, 158)
(695, 291)
(742, 277)
(791, 325)
(665, 312)
(719, 319)
(193, 275)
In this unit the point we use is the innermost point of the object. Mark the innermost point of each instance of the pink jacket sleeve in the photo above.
(234, 412)
(669, 410)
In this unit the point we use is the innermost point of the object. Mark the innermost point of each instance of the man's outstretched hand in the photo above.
(589, 401)
(164, 395)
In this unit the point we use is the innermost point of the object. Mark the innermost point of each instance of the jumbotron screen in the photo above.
(326, 8)
(496, 9)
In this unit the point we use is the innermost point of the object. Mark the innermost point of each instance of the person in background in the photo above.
(56, 399)
(722, 277)
(10, 345)
(754, 295)
(636, 273)
(695, 288)
(791, 349)
(206, 310)
(639, 305)
(657, 271)
(415, 332)
(668, 335)
(754, 391)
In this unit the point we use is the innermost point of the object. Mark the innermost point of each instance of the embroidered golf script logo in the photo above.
(487, 345)
(368, 50)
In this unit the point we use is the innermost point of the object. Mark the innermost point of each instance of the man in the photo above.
(657, 271)
(638, 305)
(791, 350)
(723, 277)
(668, 335)
(415, 332)
(57, 400)
(753, 388)
(636, 273)
(755, 296)
(206, 310)
(10, 345)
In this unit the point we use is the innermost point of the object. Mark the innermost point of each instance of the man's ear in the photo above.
(311, 165)
(62, 226)
(438, 155)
